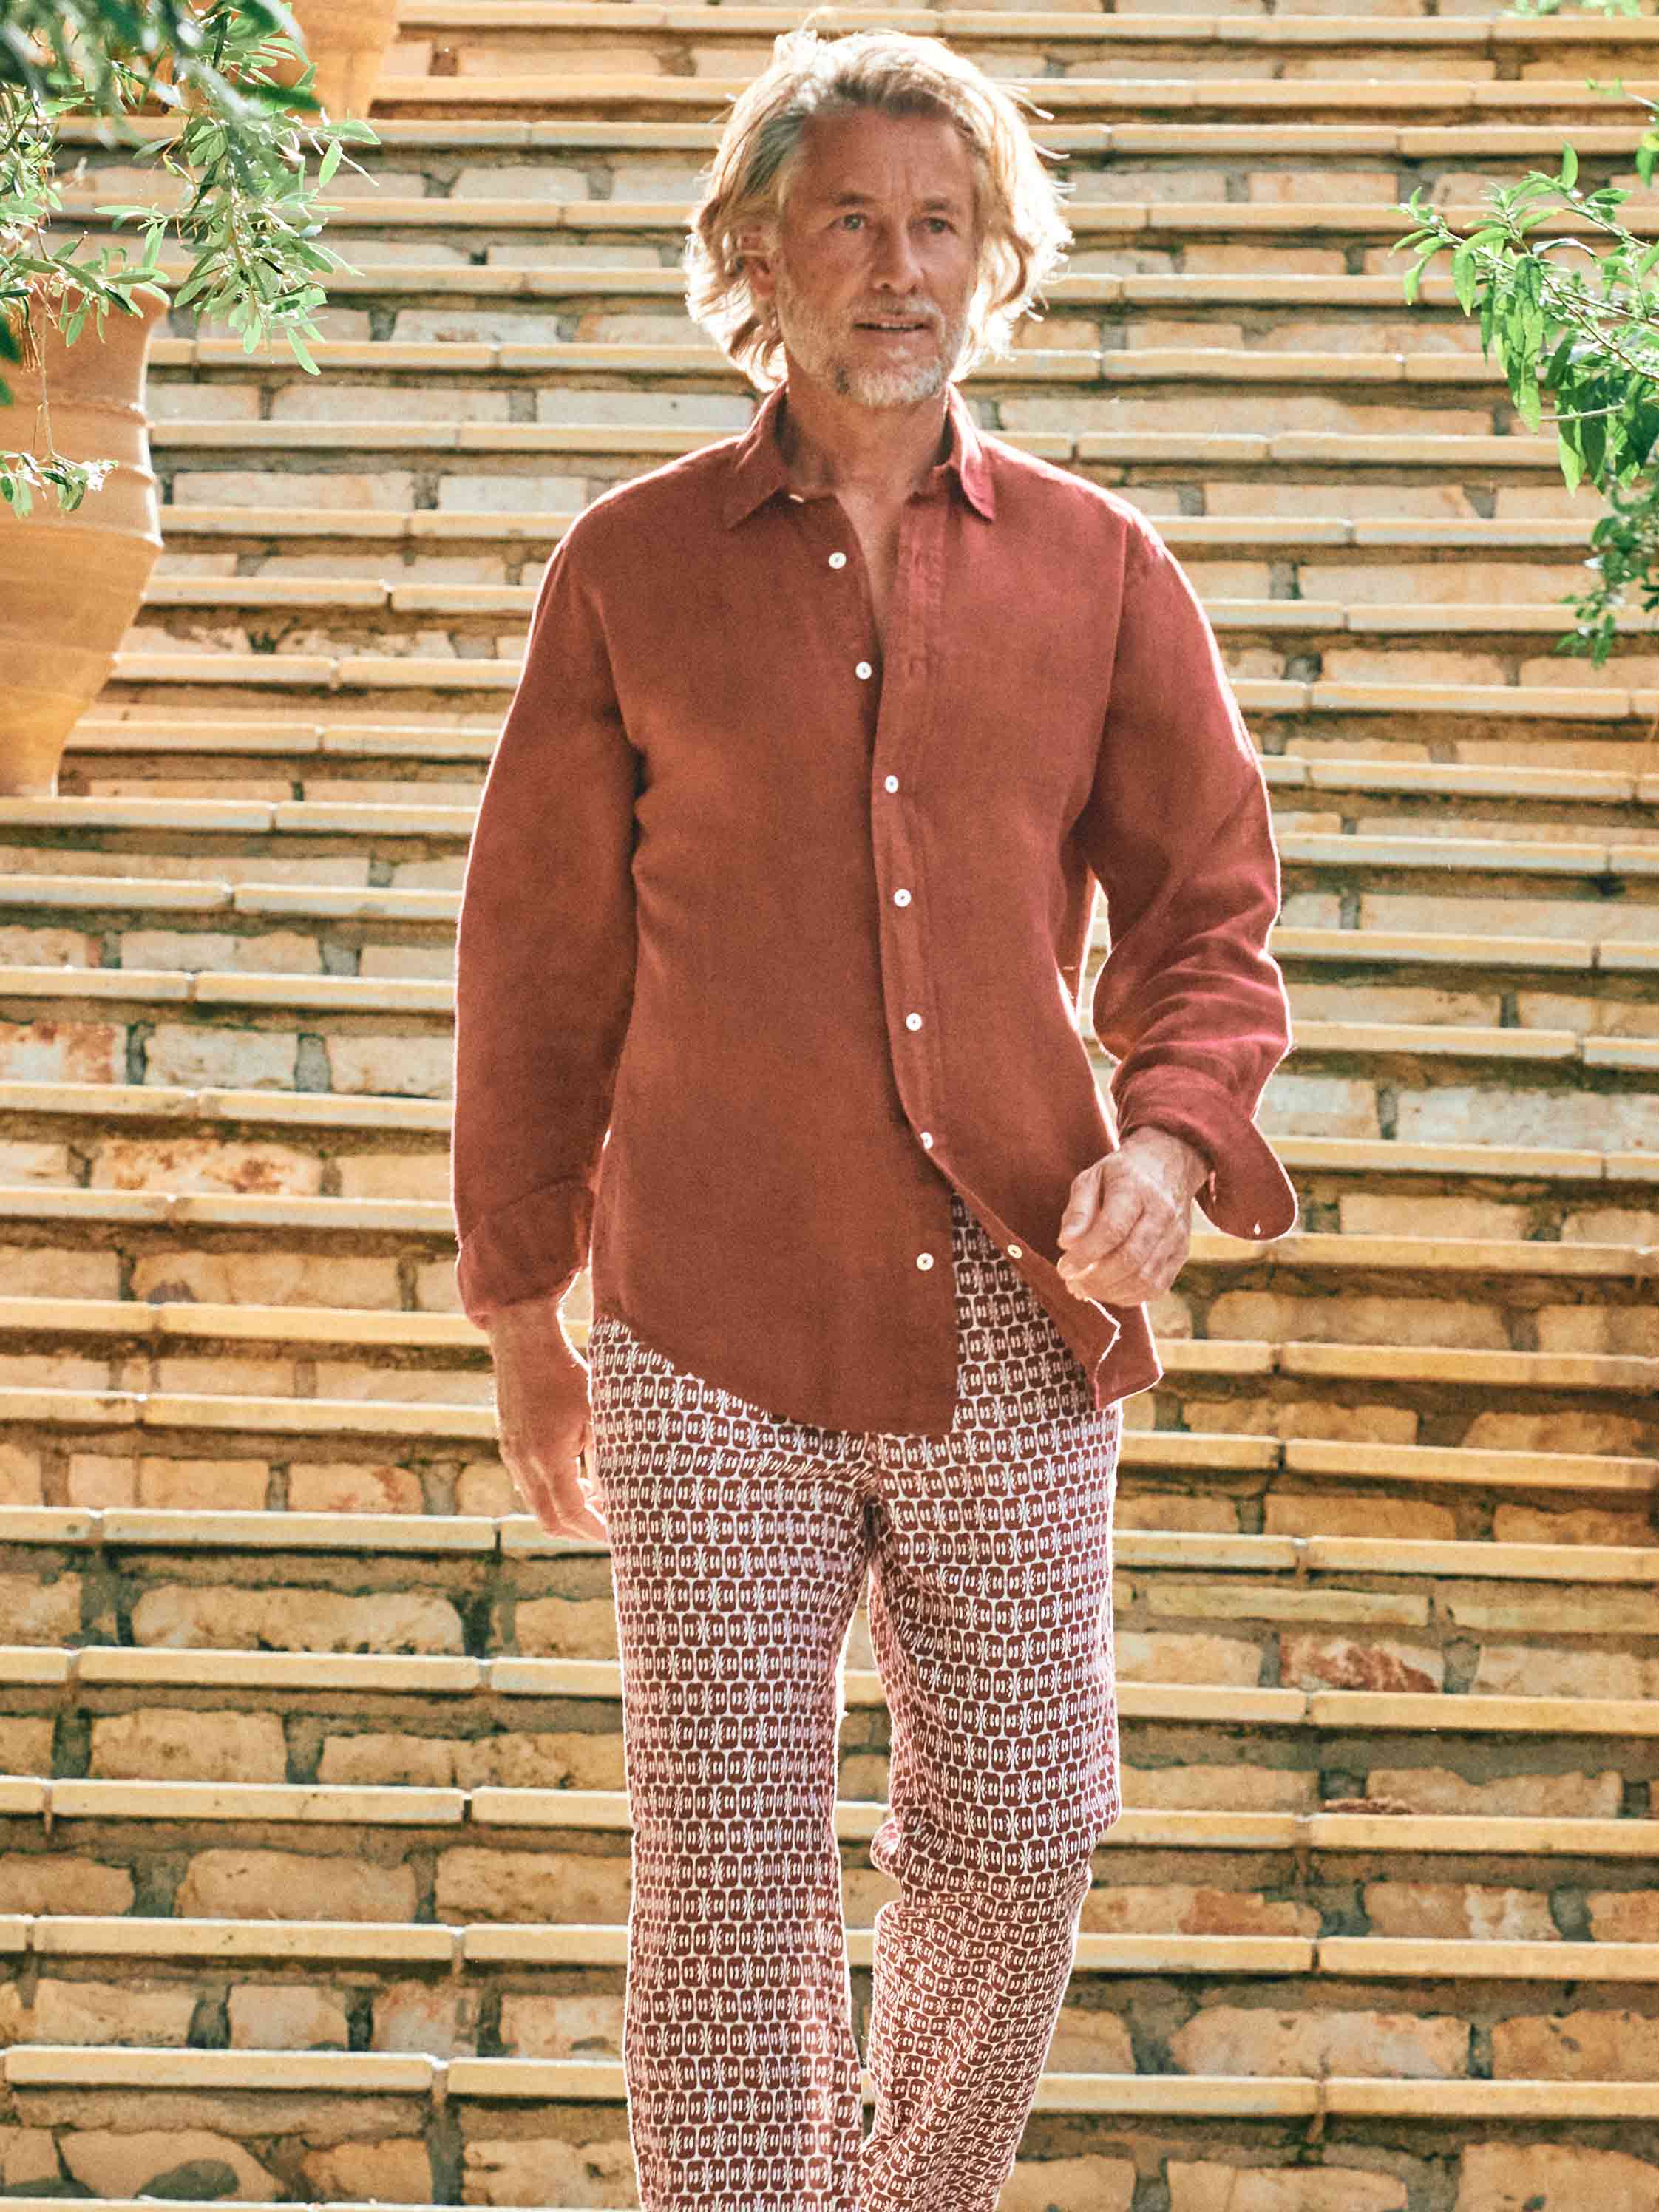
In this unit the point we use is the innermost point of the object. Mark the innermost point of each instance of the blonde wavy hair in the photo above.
(1021, 231)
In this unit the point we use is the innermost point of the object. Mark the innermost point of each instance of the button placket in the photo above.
(904, 705)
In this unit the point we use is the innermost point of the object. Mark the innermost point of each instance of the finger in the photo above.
(1152, 1243)
(1132, 1277)
(1118, 1221)
(1080, 1206)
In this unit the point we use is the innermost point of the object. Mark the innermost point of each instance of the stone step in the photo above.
(340, 1134)
(586, 245)
(1247, 1439)
(390, 1032)
(1492, 725)
(386, 1019)
(1324, 567)
(409, 764)
(597, 452)
(1275, 163)
(1535, 990)
(74, 1144)
(1381, 1869)
(123, 1608)
(451, 142)
(486, 1951)
(367, 613)
(301, 1987)
(182, 1020)
(1140, 324)
(1583, 1420)
(1338, 362)
(1091, 2134)
(1449, 92)
(1564, 879)
(377, 1714)
(477, 37)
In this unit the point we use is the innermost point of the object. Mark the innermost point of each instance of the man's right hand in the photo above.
(542, 1416)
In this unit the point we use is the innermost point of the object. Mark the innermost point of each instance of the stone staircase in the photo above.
(314, 1880)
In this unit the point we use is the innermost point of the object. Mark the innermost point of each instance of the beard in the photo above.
(837, 358)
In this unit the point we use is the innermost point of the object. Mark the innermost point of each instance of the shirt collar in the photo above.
(757, 469)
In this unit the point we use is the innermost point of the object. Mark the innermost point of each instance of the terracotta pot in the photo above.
(71, 584)
(347, 39)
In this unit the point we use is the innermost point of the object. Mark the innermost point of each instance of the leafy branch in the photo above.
(248, 218)
(1582, 332)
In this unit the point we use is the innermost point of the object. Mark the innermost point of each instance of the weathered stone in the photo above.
(232, 1883)
(1204, 2185)
(1312, 1662)
(1460, 1911)
(1576, 2047)
(286, 2016)
(185, 1617)
(1251, 2039)
(548, 1884)
(190, 1745)
(1538, 2176)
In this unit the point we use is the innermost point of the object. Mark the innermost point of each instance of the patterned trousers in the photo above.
(740, 1543)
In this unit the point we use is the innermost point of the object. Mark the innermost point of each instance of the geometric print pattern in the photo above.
(740, 1545)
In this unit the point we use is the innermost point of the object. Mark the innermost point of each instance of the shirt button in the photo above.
(892, 783)
(863, 669)
(927, 1141)
(1014, 1251)
(901, 898)
(837, 560)
(913, 1021)
(924, 1258)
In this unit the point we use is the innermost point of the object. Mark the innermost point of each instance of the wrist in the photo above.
(533, 1317)
(1189, 1167)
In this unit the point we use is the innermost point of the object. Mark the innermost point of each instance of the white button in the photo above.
(927, 1139)
(1014, 1251)
(865, 669)
(913, 1021)
(892, 783)
(901, 898)
(924, 1258)
(837, 560)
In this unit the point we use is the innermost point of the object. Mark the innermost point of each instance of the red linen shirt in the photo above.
(770, 940)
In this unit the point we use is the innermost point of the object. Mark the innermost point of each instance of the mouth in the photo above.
(894, 330)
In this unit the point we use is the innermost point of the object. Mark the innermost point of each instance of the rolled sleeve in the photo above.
(1178, 830)
(545, 960)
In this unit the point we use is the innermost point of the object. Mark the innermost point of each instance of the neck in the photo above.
(880, 453)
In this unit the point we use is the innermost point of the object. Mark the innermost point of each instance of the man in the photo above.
(768, 970)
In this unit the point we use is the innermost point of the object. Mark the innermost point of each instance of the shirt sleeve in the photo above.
(544, 961)
(1178, 830)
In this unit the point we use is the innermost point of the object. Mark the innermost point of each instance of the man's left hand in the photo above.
(1127, 1226)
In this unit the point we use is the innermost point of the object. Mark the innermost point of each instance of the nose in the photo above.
(896, 263)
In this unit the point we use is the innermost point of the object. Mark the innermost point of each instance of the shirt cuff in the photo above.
(534, 1249)
(1246, 1192)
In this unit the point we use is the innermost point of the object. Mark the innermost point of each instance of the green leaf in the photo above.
(1569, 166)
(1568, 457)
(1463, 276)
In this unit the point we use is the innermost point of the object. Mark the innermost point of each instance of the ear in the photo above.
(758, 264)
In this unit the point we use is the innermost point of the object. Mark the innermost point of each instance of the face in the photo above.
(879, 227)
